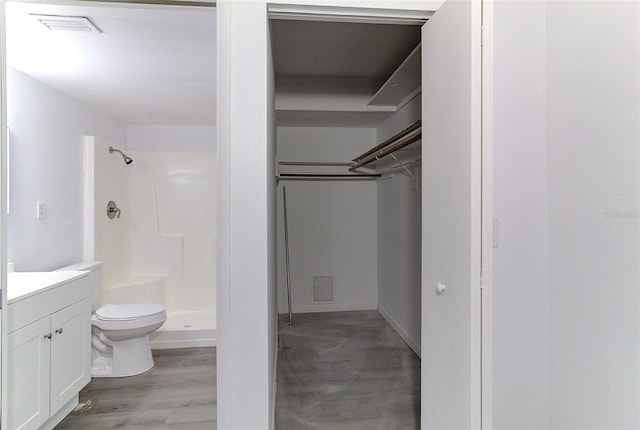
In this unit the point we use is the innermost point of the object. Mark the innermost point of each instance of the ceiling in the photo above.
(157, 64)
(340, 49)
(150, 64)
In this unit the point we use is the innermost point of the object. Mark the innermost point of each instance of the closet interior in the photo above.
(348, 111)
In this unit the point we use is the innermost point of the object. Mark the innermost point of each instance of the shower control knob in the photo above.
(112, 210)
(59, 330)
(48, 336)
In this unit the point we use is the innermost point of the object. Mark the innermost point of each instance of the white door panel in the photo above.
(451, 199)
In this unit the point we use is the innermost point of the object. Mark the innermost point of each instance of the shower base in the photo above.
(186, 330)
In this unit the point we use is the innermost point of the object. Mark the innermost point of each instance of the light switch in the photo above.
(41, 210)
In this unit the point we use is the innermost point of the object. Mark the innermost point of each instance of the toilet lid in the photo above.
(128, 311)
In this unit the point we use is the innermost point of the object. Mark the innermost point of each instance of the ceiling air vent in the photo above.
(67, 23)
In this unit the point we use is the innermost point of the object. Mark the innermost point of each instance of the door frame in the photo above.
(487, 233)
(360, 13)
(4, 161)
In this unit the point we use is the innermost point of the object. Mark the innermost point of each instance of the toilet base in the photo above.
(126, 358)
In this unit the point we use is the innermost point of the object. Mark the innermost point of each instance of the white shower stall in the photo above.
(161, 248)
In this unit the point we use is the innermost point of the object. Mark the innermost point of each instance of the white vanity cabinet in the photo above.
(49, 353)
(28, 376)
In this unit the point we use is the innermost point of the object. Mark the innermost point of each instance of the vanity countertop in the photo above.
(21, 285)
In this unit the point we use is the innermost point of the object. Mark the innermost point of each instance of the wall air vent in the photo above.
(67, 23)
(323, 289)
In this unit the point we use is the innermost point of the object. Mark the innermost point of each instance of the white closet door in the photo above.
(451, 143)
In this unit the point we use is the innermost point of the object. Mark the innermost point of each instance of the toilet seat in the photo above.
(128, 316)
(128, 312)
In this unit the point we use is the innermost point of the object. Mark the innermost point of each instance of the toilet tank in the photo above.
(95, 278)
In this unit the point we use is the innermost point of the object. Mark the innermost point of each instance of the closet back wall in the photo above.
(332, 224)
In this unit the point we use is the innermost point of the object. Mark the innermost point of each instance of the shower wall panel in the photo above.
(172, 197)
(111, 235)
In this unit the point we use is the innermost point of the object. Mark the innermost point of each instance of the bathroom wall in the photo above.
(181, 138)
(46, 150)
(332, 224)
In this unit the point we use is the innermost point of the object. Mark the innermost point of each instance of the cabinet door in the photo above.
(70, 352)
(28, 376)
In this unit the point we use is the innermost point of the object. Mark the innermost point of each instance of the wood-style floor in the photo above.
(179, 393)
(342, 370)
(345, 370)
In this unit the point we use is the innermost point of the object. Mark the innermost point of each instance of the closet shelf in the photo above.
(403, 85)
(401, 140)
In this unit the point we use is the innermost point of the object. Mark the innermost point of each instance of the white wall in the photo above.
(567, 194)
(183, 138)
(520, 292)
(399, 251)
(407, 115)
(399, 232)
(332, 224)
(47, 129)
(593, 161)
(246, 317)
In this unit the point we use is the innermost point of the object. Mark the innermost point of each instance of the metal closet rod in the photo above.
(329, 176)
(314, 163)
(389, 141)
(387, 151)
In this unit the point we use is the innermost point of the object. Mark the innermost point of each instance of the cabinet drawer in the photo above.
(24, 312)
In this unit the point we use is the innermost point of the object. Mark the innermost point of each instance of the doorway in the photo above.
(103, 80)
(348, 91)
(450, 201)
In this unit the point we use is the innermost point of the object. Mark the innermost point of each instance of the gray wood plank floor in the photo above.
(345, 370)
(179, 393)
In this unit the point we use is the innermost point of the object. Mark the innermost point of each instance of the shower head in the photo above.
(125, 157)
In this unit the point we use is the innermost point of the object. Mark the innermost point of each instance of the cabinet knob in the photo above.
(47, 336)
(59, 330)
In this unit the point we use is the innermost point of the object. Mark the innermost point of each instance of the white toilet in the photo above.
(119, 333)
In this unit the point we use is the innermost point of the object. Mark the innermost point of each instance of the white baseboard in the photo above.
(415, 346)
(331, 307)
(176, 339)
(275, 380)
